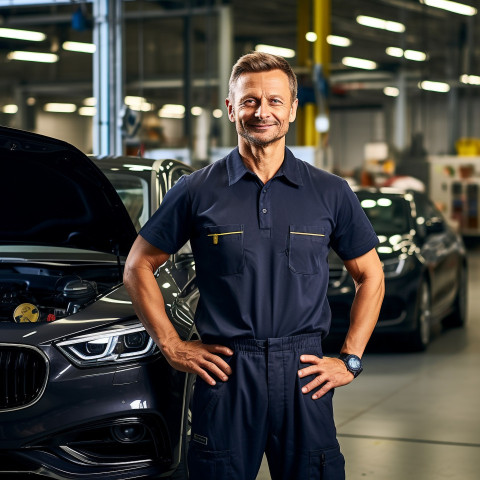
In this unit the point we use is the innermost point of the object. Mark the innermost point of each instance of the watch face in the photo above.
(354, 363)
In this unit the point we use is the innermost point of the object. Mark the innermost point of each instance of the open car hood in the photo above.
(53, 194)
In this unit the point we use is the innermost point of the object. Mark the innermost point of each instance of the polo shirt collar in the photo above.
(236, 169)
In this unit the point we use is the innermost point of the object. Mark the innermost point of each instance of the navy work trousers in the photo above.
(261, 408)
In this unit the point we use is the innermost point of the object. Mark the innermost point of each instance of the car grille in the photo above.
(23, 375)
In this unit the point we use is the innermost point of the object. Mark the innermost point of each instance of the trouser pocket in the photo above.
(326, 465)
(208, 464)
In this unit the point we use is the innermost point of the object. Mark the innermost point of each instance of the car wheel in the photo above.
(458, 318)
(423, 317)
(181, 473)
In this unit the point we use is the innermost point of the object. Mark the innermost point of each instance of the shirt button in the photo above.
(264, 210)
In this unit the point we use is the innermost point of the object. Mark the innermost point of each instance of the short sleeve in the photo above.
(169, 227)
(353, 235)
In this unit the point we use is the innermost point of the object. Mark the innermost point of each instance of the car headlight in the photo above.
(394, 267)
(108, 346)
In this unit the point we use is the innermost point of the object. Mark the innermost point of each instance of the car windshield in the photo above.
(389, 214)
(133, 191)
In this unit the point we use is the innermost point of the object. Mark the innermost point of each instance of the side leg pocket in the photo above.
(326, 465)
(208, 464)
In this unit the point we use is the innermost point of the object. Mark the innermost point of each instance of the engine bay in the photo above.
(47, 292)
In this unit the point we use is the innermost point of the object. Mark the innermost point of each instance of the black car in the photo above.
(425, 266)
(84, 392)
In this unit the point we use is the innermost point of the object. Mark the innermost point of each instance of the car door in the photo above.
(441, 252)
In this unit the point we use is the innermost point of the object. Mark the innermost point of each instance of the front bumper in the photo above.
(114, 422)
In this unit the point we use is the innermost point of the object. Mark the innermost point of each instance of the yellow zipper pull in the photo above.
(215, 238)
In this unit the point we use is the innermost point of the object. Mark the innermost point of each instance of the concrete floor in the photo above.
(416, 416)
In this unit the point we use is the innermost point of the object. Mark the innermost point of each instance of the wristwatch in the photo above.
(353, 363)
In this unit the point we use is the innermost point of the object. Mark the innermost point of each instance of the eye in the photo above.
(249, 102)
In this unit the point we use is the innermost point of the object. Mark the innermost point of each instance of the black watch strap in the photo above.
(353, 363)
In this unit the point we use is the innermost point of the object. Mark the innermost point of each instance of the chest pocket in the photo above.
(225, 248)
(307, 247)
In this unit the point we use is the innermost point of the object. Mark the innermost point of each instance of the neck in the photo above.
(262, 161)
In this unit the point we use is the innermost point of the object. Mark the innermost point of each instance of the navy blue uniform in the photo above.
(261, 262)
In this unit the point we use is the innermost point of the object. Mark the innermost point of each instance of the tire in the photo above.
(181, 473)
(420, 337)
(458, 318)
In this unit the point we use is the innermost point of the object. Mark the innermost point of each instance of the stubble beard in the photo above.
(243, 131)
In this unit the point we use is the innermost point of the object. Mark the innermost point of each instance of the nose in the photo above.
(263, 110)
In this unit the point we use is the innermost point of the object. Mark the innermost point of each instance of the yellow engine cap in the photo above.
(26, 312)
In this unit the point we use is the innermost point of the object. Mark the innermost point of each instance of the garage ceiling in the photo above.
(154, 47)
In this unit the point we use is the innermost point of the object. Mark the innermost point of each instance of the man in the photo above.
(261, 223)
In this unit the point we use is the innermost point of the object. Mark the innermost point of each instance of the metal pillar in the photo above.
(400, 123)
(108, 77)
(225, 56)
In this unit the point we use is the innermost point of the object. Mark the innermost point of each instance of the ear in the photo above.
(293, 111)
(230, 111)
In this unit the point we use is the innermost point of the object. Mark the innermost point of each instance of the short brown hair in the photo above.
(262, 62)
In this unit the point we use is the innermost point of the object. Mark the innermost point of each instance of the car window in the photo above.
(388, 214)
(134, 194)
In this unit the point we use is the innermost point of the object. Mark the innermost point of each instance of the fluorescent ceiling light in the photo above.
(217, 113)
(22, 34)
(33, 57)
(470, 79)
(138, 104)
(339, 41)
(394, 52)
(87, 111)
(391, 91)
(60, 107)
(79, 47)
(454, 7)
(196, 111)
(415, 55)
(311, 37)
(171, 111)
(359, 63)
(434, 86)
(380, 23)
(280, 51)
(90, 101)
(10, 109)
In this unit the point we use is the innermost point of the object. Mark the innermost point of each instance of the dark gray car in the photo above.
(84, 392)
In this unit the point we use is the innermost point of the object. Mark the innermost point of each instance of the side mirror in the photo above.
(435, 225)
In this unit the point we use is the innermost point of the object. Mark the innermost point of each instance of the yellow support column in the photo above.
(304, 61)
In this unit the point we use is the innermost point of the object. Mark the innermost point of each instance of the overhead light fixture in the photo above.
(380, 23)
(139, 104)
(440, 87)
(311, 37)
(280, 51)
(87, 111)
(11, 109)
(394, 52)
(359, 63)
(391, 91)
(22, 34)
(196, 111)
(90, 101)
(217, 113)
(172, 111)
(79, 47)
(338, 41)
(33, 57)
(60, 107)
(414, 55)
(470, 79)
(454, 7)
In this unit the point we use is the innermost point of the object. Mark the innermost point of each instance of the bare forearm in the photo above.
(364, 315)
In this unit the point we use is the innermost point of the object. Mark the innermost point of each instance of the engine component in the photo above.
(26, 312)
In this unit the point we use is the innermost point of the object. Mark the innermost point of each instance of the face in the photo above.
(262, 107)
